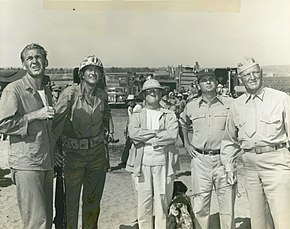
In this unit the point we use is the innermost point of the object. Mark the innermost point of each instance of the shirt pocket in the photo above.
(271, 124)
(198, 121)
(220, 120)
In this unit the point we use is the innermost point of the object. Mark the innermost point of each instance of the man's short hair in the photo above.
(33, 46)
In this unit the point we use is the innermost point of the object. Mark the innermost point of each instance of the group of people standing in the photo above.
(215, 129)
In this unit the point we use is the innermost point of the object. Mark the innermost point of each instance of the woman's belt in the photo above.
(83, 143)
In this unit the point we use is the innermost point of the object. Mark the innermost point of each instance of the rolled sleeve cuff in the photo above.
(23, 126)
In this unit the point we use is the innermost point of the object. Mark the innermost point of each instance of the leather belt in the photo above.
(83, 143)
(264, 149)
(208, 152)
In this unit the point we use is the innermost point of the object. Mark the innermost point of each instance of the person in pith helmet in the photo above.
(81, 120)
(153, 159)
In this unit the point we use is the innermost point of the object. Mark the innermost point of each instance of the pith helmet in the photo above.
(150, 84)
(91, 60)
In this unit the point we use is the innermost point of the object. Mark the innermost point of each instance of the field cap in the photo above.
(90, 60)
(205, 72)
(220, 85)
(130, 97)
(150, 84)
(248, 62)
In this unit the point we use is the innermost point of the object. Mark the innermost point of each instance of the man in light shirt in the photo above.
(207, 116)
(153, 160)
(258, 123)
(25, 115)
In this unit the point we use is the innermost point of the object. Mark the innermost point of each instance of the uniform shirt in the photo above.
(29, 144)
(208, 121)
(256, 120)
(78, 117)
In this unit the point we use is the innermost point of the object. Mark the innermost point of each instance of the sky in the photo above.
(147, 38)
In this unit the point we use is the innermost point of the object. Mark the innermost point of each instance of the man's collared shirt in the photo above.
(29, 142)
(77, 117)
(208, 121)
(267, 112)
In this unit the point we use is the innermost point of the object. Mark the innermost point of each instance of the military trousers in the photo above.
(267, 177)
(34, 191)
(207, 173)
(84, 169)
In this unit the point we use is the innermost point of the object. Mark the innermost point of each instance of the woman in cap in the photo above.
(82, 118)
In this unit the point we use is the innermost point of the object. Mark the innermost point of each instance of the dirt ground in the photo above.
(118, 206)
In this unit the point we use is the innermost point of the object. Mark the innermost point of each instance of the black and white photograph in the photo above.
(122, 114)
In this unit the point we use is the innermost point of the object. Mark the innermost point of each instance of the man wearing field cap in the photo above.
(153, 160)
(207, 115)
(258, 123)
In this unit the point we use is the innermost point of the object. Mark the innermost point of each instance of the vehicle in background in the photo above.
(117, 95)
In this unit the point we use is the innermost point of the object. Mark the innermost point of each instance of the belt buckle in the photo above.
(258, 150)
(83, 144)
(280, 146)
(210, 152)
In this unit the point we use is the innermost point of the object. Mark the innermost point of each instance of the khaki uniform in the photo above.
(259, 124)
(208, 121)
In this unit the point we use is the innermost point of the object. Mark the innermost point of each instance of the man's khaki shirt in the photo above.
(256, 120)
(208, 121)
(77, 117)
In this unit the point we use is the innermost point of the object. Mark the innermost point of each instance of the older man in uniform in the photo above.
(207, 115)
(258, 123)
